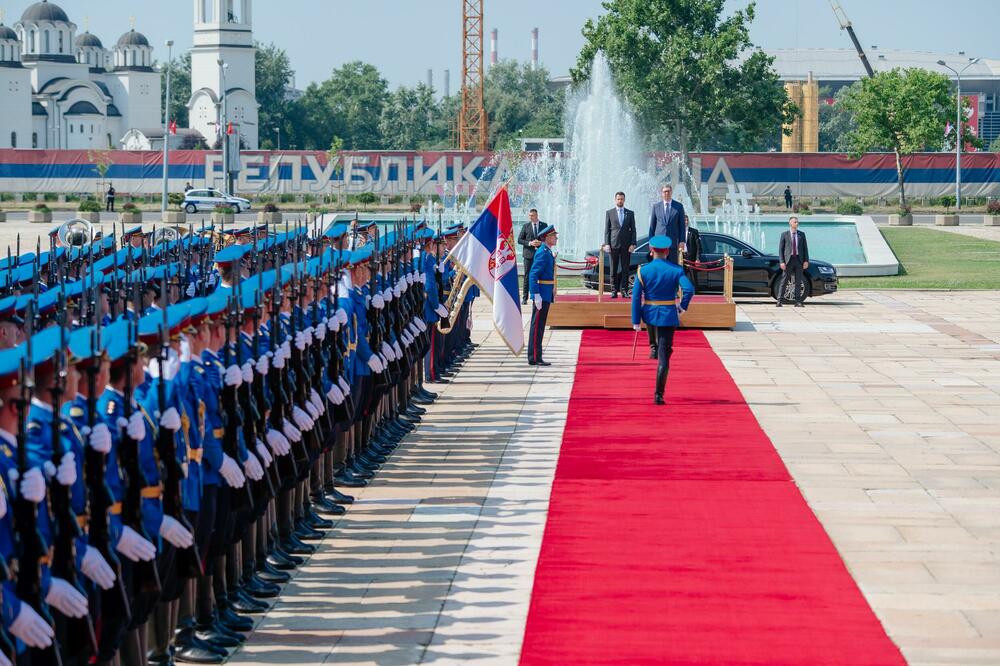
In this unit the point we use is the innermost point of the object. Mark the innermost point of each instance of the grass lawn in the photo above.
(931, 259)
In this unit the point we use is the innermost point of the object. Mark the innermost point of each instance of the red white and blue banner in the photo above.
(486, 255)
(457, 173)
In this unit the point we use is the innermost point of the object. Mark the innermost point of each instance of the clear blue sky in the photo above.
(406, 37)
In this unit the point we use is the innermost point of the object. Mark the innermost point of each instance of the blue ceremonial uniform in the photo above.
(654, 301)
(541, 283)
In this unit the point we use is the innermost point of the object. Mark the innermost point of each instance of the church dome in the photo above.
(44, 11)
(87, 39)
(7, 33)
(133, 38)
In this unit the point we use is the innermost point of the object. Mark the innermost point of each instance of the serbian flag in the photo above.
(173, 127)
(486, 254)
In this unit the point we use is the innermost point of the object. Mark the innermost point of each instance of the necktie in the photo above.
(621, 217)
(795, 243)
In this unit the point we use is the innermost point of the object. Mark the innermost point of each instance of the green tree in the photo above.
(274, 74)
(685, 69)
(348, 104)
(411, 119)
(995, 145)
(903, 111)
(520, 104)
(835, 122)
(180, 88)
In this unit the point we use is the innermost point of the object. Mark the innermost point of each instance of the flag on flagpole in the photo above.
(486, 254)
(173, 127)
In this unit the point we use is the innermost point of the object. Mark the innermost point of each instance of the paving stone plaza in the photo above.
(884, 405)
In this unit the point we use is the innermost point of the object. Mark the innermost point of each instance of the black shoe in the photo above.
(194, 654)
(614, 294)
(658, 400)
(294, 546)
(652, 353)
(279, 562)
(278, 551)
(306, 533)
(339, 497)
(271, 574)
(244, 604)
(360, 471)
(235, 621)
(778, 304)
(259, 589)
(427, 395)
(328, 507)
(317, 523)
(185, 637)
(226, 631)
(542, 363)
(210, 634)
(531, 363)
(800, 305)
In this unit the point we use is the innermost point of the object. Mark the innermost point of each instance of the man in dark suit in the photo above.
(692, 241)
(619, 241)
(667, 219)
(793, 250)
(528, 240)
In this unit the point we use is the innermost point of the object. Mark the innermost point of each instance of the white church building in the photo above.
(60, 90)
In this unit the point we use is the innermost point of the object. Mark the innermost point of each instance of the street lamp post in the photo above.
(278, 130)
(223, 126)
(958, 127)
(166, 132)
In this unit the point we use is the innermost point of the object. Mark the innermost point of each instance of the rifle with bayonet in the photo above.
(232, 415)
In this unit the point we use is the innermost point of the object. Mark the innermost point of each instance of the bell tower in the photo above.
(223, 30)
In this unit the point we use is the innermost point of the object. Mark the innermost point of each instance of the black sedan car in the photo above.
(754, 273)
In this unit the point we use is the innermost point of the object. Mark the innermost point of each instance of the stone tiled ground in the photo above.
(886, 408)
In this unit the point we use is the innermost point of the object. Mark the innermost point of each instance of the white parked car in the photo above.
(196, 200)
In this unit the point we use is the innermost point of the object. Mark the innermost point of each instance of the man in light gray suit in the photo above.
(667, 219)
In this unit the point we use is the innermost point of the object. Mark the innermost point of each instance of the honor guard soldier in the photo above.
(654, 302)
(542, 289)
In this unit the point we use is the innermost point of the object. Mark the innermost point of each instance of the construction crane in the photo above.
(472, 121)
(845, 24)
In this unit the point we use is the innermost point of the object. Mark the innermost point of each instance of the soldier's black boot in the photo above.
(661, 382)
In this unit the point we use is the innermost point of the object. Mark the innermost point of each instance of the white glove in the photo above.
(407, 338)
(396, 348)
(387, 294)
(171, 420)
(301, 419)
(31, 628)
(317, 401)
(286, 349)
(333, 394)
(291, 432)
(247, 371)
(421, 324)
(311, 408)
(538, 301)
(423, 278)
(185, 349)
(409, 278)
(233, 376)
(374, 363)
(100, 438)
(66, 599)
(439, 267)
(3, 504)
(680, 310)
(344, 386)
(333, 324)
(387, 351)
(321, 331)
(413, 329)
(190, 291)
(378, 302)
(172, 366)
(66, 474)
(32, 486)
(96, 568)
(442, 311)
(300, 341)
(231, 472)
(135, 547)
(278, 443)
(263, 365)
(342, 316)
(176, 534)
(254, 471)
(308, 333)
(279, 359)
(636, 327)
(263, 453)
(136, 428)
(397, 291)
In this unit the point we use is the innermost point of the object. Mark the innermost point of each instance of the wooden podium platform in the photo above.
(585, 311)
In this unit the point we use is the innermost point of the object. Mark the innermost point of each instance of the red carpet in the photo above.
(675, 533)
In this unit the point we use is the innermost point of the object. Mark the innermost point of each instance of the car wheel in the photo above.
(629, 284)
(191, 209)
(805, 290)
